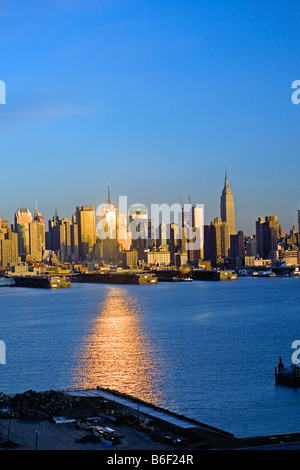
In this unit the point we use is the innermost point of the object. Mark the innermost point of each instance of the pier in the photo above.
(67, 420)
(150, 411)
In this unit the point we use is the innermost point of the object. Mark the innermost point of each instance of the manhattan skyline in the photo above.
(208, 215)
(150, 96)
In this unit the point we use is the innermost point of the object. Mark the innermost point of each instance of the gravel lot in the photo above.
(53, 436)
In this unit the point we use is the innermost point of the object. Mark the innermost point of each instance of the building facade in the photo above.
(267, 233)
(23, 218)
(86, 221)
(227, 207)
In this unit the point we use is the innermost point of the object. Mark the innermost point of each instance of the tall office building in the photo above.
(174, 240)
(237, 245)
(37, 237)
(139, 228)
(64, 236)
(196, 234)
(123, 236)
(108, 219)
(267, 232)
(8, 248)
(86, 221)
(216, 240)
(4, 225)
(162, 235)
(211, 248)
(23, 218)
(107, 229)
(227, 207)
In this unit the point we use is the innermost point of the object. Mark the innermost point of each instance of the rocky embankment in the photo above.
(50, 404)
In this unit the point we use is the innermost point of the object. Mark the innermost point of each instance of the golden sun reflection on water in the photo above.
(116, 353)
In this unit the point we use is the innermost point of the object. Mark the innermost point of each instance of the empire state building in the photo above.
(227, 207)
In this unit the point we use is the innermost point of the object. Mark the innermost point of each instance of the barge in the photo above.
(213, 275)
(46, 282)
(287, 375)
(119, 278)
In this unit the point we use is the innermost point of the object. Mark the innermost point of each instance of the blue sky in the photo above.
(157, 96)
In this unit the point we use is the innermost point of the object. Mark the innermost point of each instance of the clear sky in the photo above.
(157, 96)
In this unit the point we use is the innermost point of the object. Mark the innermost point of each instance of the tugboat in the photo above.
(287, 375)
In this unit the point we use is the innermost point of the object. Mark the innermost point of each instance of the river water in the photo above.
(203, 349)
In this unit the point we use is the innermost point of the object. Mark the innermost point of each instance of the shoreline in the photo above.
(65, 420)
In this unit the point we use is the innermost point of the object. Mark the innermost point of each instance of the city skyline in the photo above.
(152, 96)
(209, 215)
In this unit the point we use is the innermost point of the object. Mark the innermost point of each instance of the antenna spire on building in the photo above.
(108, 193)
(36, 210)
(227, 206)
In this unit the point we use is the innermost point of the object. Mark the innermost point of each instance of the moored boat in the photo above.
(287, 375)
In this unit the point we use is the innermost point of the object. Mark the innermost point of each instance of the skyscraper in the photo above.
(216, 240)
(139, 228)
(267, 235)
(227, 207)
(8, 248)
(64, 236)
(123, 235)
(197, 231)
(237, 246)
(107, 229)
(37, 237)
(86, 221)
(23, 218)
(108, 219)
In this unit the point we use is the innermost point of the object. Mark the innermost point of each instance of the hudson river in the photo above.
(203, 349)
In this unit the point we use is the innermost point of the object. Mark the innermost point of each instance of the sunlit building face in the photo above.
(110, 221)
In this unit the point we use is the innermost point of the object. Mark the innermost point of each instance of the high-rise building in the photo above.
(86, 221)
(107, 230)
(267, 232)
(162, 234)
(174, 240)
(225, 239)
(227, 207)
(195, 252)
(108, 219)
(216, 240)
(280, 232)
(4, 225)
(211, 247)
(139, 228)
(8, 248)
(237, 245)
(123, 236)
(64, 236)
(37, 237)
(23, 218)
